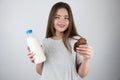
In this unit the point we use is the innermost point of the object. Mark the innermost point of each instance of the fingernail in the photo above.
(80, 45)
(77, 48)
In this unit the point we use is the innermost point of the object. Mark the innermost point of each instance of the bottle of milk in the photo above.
(35, 46)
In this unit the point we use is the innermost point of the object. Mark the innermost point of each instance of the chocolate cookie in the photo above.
(80, 41)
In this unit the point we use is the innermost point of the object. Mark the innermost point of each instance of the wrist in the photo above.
(85, 60)
(40, 64)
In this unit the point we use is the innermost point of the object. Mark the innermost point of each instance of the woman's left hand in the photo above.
(85, 50)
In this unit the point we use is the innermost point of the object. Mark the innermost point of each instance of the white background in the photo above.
(96, 20)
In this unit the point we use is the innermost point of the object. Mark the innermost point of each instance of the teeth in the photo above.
(61, 25)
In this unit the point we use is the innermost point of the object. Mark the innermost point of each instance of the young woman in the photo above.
(62, 62)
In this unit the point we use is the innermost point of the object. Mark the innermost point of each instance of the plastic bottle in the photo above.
(35, 46)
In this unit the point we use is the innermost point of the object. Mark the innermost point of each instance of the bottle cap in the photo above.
(29, 31)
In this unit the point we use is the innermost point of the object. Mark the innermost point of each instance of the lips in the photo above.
(61, 25)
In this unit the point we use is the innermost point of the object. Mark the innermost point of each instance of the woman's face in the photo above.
(61, 20)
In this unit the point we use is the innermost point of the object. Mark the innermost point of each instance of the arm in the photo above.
(38, 66)
(86, 52)
(83, 68)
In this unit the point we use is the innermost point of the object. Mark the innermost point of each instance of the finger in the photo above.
(80, 48)
(86, 55)
(90, 50)
(30, 55)
(28, 48)
(83, 52)
(32, 60)
(87, 48)
(90, 55)
(83, 45)
(86, 52)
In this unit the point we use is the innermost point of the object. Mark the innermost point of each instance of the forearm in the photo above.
(39, 68)
(83, 69)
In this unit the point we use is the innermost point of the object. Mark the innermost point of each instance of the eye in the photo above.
(67, 18)
(57, 17)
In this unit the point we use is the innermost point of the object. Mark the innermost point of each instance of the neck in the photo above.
(58, 36)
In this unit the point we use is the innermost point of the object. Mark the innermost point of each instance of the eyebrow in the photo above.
(60, 15)
(57, 15)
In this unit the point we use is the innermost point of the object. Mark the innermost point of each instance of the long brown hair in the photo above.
(71, 30)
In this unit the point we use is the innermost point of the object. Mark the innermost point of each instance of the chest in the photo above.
(58, 54)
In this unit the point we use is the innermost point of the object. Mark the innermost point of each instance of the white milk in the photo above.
(35, 47)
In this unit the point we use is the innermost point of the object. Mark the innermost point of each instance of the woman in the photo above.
(62, 62)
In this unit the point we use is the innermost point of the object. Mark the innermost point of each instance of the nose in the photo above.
(62, 20)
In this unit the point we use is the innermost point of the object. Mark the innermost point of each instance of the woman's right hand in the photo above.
(30, 55)
(38, 66)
